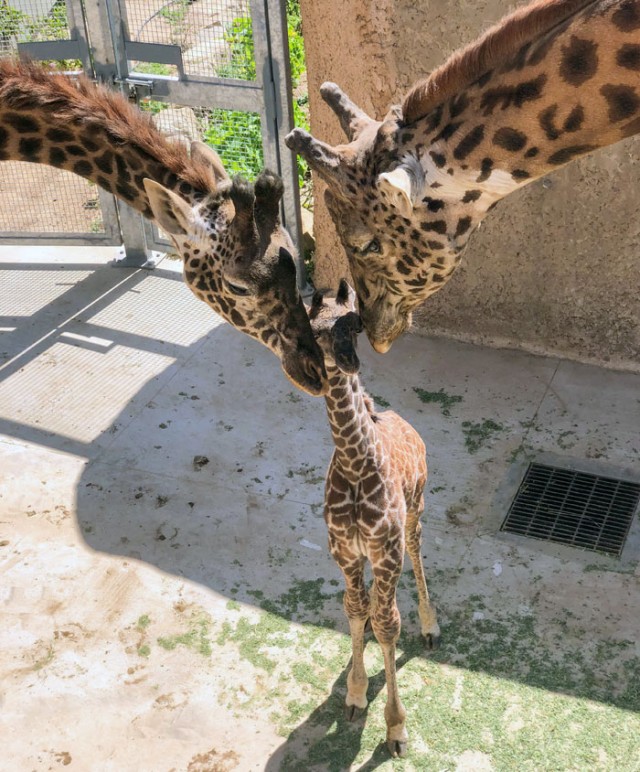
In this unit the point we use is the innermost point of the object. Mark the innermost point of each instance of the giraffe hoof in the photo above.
(352, 712)
(432, 641)
(397, 748)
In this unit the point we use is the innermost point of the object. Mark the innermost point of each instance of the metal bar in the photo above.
(154, 52)
(42, 50)
(279, 104)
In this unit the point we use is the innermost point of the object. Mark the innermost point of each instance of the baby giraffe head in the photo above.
(335, 325)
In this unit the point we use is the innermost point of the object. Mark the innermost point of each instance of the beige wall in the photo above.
(555, 268)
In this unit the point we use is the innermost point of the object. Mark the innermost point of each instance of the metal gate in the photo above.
(215, 70)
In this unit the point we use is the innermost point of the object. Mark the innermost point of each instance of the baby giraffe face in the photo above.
(335, 325)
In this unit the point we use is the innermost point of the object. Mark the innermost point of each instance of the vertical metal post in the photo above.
(107, 67)
(277, 90)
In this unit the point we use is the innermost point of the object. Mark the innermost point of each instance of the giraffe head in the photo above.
(238, 260)
(336, 325)
(400, 246)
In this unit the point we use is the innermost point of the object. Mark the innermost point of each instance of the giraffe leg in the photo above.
(356, 607)
(426, 610)
(385, 619)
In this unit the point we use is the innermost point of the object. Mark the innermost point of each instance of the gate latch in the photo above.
(136, 88)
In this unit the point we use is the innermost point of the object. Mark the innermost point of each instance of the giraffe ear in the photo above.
(345, 295)
(171, 212)
(395, 186)
(208, 156)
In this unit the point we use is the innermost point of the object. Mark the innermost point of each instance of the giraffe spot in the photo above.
(126, 191)
(29, 148)
(510, 139)
(569, 153)
(104, 162)
(236, 318)
(104, 183)
(4, 156)
(458, 105)
(435, 245)
(484, 79)
(403, 268)
(629, 57)
(579, 61)
(433, 204)
(470, 196)
(532, 152)
(546, 121)
(622, 100)
(437, 226)
(469, 142)
(57, 156)
(4, 136)
(83, 168)
(60, 135)
(574, 120)
(75, 150)
(627, 17)
(406, 137)
(438, 278)
(520, 59)
(90, 144)
(464, 223)
(518, 95)
(520, 174)
(438, 159)
(123, 171)
(432, 121)
(448, 131)
(485, 170)
(23, 124)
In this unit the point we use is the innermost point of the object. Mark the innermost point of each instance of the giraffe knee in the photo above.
(386, 627)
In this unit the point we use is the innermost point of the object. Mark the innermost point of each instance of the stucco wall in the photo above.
(555, 268)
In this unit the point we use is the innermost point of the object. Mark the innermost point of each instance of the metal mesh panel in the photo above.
(41, 199)
(215, 36)
(575, 508)
(236, 136)
(33, 198)
(23, 21)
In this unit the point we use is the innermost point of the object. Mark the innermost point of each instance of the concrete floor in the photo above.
(157, 611)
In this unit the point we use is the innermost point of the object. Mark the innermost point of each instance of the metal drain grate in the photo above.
(575, 508)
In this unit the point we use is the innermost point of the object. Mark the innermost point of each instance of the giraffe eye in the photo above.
(237, 289)
(373, 247)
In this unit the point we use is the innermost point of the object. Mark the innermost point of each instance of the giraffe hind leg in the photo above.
(426, 610)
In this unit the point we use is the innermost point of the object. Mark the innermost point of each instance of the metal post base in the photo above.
(134, 259)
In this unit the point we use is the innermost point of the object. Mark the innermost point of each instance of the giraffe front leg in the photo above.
(385, 619)
(426, 610)
(356, 607)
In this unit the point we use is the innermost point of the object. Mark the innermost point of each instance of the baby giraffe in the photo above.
(373, 502)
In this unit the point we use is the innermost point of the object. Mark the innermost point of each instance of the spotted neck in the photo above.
(567, 93)
(92, 132)
(352, 426)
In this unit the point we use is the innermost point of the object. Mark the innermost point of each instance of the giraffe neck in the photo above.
(566, 93)
(352, 425)
(92, 132)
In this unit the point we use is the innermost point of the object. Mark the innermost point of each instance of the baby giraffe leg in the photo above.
(426, 610)
(356, 606)
(385, 620)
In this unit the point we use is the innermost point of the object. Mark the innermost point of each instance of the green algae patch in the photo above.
(479, 433)
(196, 637)
(446, 401)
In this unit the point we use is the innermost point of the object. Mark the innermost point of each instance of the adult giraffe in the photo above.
(237, 256)
(553, 81)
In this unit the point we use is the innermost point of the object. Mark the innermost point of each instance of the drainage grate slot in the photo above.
(574, 508)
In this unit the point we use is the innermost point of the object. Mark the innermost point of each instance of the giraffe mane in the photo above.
(28, 85)
(498, 42)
